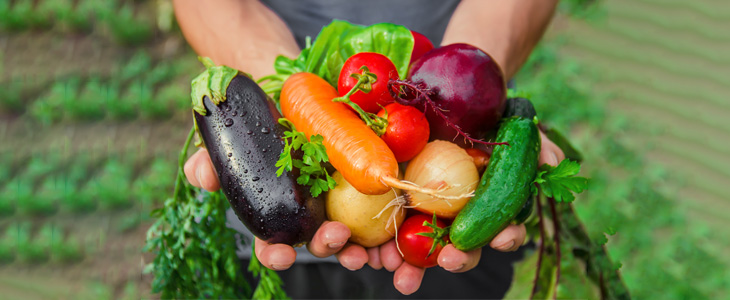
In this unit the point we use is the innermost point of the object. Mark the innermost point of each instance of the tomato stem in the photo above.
(423, 96)
(364, 84)
(438, 235)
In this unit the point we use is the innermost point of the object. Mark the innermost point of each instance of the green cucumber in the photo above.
(504, 187)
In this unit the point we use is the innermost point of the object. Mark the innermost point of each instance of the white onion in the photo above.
(446, 166)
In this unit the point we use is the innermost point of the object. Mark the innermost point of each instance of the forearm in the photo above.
(506, 29)
(242, 34)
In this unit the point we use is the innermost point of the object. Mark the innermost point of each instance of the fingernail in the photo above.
(197, 175)
(553, 159)
(335, 245)
(506, 246)
(276, 267)
(456, 269)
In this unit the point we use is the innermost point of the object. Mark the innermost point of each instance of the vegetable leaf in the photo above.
(312, 171)
(560, 182)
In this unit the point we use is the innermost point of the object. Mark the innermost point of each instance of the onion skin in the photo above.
(442, 164)
(469, 88)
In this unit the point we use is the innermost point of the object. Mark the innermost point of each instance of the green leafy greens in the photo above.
(335, 43)
(270, 284)
(312, 171)
(560, 182)
(195, 250)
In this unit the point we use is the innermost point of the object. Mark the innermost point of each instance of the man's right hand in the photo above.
(329, 239)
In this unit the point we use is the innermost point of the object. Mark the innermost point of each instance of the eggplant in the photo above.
(239, 126)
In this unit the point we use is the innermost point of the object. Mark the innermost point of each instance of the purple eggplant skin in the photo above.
(244, 141)
(468, 87)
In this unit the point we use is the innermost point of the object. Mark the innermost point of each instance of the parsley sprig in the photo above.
(560, 182)
(312, 171)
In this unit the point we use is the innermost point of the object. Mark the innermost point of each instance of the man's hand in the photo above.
(407, 278)
(331, 238)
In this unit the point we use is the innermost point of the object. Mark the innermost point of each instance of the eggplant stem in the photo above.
(422, 96)
(180, 182)
(409, 186)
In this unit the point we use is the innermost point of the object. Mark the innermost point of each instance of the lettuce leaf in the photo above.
(339, 40)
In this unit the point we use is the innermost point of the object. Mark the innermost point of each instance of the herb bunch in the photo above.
(196, 250)
(311, 166)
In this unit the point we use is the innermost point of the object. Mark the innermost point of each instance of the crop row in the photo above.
(118, 17)
(49, 243)
(137, 88)
(48, 185)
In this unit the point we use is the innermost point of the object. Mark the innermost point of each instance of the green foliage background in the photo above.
(663, 253)
(80, 204)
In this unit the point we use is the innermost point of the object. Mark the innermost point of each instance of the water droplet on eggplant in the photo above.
(228, 122)
(265, 130)
(230, 154)
(234, 113)
(257, 122)
(255, 178)
(249, 132)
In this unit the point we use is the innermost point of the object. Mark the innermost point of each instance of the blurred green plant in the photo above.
(49, 108)
(112, 184)
(7, 245)
(127, 29)
(149, 188)
(10, 94)
(663, 256)
(28, 249)
(74, 199)
(91, 103)
(120, 106)
(175, 94)
(136, 67)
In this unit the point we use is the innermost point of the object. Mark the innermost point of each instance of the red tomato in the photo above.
(377, 64)
(421, 45)
(407, 131)
(416, 247)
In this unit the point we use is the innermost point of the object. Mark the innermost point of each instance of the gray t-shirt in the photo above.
(307, 17)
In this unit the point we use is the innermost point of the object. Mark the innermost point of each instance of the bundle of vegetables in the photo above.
(361, 100)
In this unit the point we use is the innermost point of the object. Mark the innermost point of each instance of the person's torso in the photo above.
(307, 17)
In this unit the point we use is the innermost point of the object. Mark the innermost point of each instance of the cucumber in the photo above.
(505, 185)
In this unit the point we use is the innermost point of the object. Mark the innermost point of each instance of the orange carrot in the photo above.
(364, 159)
(353, 148)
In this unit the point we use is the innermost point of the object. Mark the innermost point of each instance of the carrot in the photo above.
(364, 159)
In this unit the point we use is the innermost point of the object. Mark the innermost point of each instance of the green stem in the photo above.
(207, 62)
(180, 182)
(377, 124)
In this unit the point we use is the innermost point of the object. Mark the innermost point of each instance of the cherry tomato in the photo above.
(407, 131)
(421, 45)
(377, 64)
(416, 247)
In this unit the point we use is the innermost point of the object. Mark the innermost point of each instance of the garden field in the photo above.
(95, 105)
